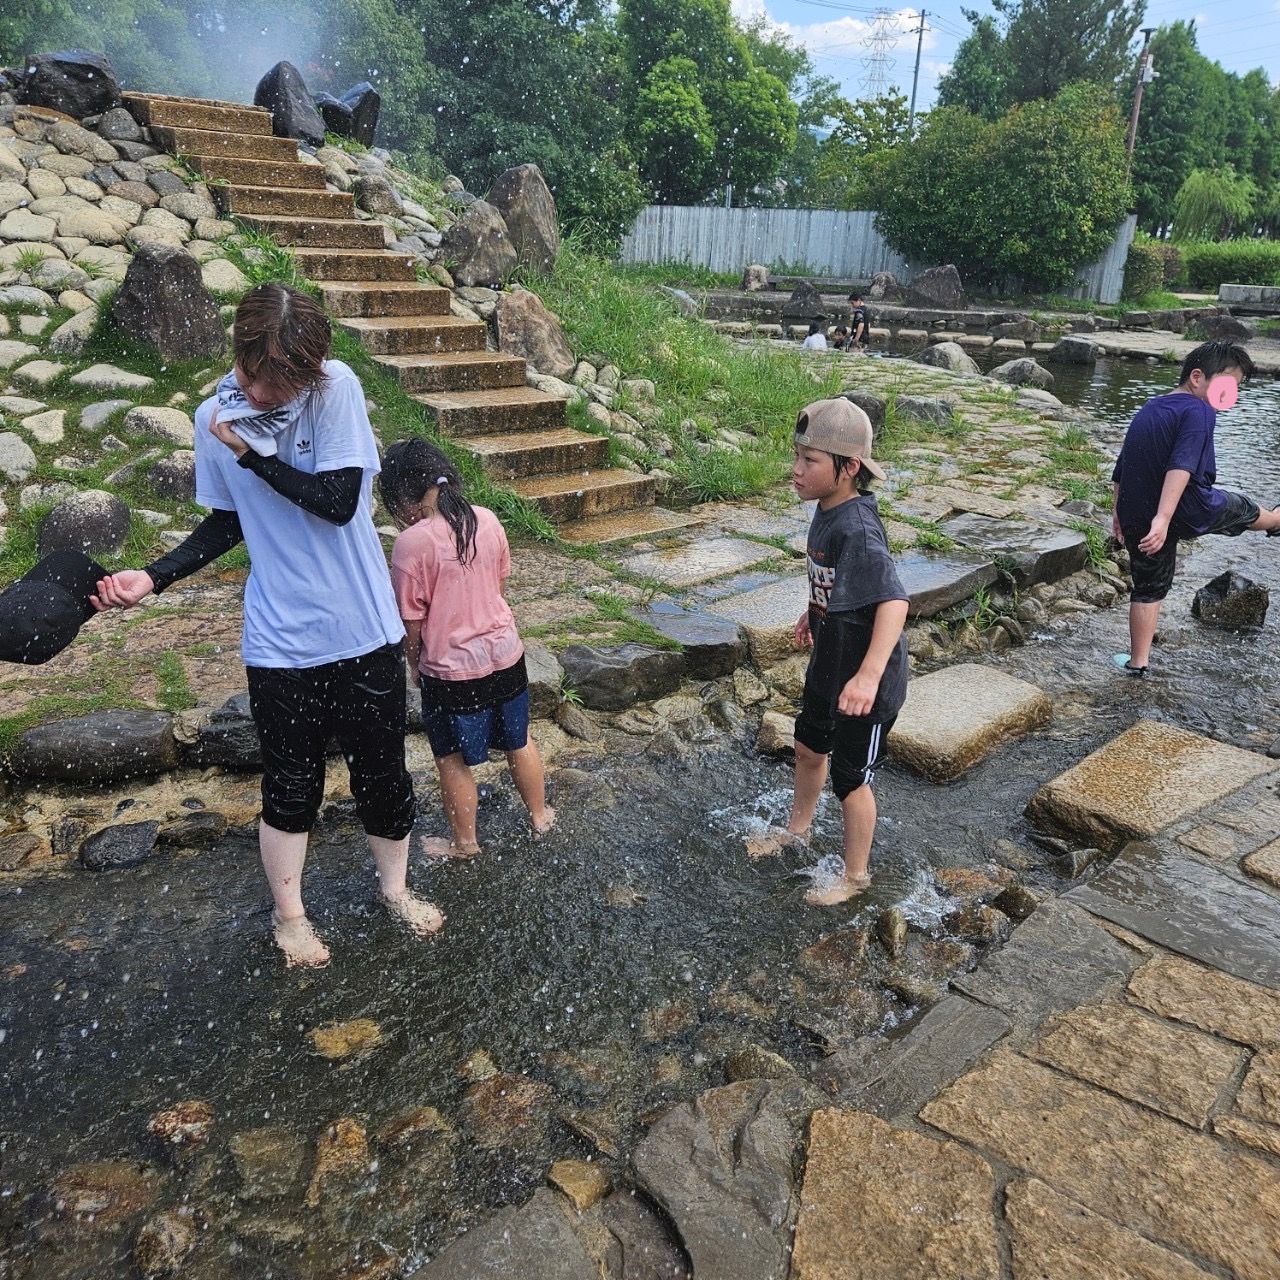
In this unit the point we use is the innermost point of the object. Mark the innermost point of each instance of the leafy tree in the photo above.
(980, 72)
(755, 128)
(865, 132)
(673, 126)
(1213, 203)
(1028, 197)
(700, 30)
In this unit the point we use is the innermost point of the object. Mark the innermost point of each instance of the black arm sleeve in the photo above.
(331, 495)
(216, 534)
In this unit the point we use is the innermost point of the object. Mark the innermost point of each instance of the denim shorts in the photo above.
(501, 727)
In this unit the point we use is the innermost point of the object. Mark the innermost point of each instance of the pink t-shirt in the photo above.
(467, 628)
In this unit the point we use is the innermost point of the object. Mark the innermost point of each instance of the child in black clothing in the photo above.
(857, 678)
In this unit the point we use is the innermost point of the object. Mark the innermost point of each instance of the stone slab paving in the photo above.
(935, 580)
(880, 1201)
(698, 561)
(1186, 906)
(1032, 552)
(767, 616)
(1147, 778)
(955, 716)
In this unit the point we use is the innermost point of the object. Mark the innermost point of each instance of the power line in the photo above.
(880, 40)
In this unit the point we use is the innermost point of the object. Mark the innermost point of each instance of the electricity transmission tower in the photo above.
(879, 42)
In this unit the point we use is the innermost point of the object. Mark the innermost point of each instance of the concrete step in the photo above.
(207, 142)
(259, 173)
(369, 300)
(580, 494)
(154, 109)
(319, 233)
(285, 201)
(354, 264)
(623, 526)
(510, 455)
(474, 413)
(456, 371)
(410, 335)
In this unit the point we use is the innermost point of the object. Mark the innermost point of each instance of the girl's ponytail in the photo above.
(410, 469)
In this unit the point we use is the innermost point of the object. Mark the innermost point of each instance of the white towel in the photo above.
(258, 428)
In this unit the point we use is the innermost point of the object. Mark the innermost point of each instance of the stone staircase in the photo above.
(477, 397)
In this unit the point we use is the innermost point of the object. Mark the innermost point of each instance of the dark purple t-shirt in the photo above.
(1169, 433)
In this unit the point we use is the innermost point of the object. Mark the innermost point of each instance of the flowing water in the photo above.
(618, 960)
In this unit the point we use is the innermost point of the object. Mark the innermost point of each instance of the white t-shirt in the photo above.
(318, 592)
(816, 341)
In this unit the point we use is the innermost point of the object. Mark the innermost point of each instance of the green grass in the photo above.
(704, 382)
(1097, 541)
(678, 275)
(175, 692)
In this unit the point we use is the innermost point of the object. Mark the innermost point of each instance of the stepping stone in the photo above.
(713, 646)
(11, 351)
(20, 406)
(45, 428)
(895, 1078)
(1216, 1002)
(935, 580)
(106, 377)
(767, 616)
(1265, 864)
(93, 416)
(1177, 1187)
(697, 561)
(1150, 777)
(953, 717)
(38, 373)
(1196, 910)
(900, 1203)
(1054, 1236)
(1058, 959)
(535, 1240)
(1159, 1064)
(32, 326)
(1032, 553)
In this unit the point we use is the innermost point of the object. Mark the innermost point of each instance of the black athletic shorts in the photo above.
(854, 743)
(1153, 574)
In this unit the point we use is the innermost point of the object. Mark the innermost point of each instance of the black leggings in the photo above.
(361, 701)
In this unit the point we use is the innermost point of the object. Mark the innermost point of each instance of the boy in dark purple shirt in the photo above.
(1164, 490)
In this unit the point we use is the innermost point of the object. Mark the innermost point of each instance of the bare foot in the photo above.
(443, 847)
(423, 918)
(548, 821)
(299, 942)
(840, 891)
(772, 840)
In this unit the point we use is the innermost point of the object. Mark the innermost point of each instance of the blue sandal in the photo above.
(1121, 661)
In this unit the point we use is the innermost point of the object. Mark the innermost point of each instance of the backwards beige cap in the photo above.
(839, 427)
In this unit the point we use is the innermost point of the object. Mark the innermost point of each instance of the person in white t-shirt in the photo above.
(817, 339)
(285, 461)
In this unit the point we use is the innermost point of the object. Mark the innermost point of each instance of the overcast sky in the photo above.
(1241, 36)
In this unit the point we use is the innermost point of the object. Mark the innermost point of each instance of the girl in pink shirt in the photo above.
(464, 653)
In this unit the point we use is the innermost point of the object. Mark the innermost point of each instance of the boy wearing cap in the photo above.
(857, 677)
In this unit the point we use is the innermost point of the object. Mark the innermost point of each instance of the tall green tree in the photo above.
(865, 133)
(980, 74)
(675, 134)
(1026, 198)
(1214, 204)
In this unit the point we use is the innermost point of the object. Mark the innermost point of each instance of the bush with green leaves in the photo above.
(1029, 197)
(1207, 265)
(1143, 269)
(1212, 203)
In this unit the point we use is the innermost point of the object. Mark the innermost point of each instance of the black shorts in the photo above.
(1153, 574)
(854, 743)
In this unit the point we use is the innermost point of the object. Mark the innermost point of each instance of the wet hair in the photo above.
(282, 336)
(1212, 358)
(815, 326)
(862, 478)
(410, 470)
(855, 296)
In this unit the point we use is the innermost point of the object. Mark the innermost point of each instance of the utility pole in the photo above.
(1146, 72)
(915, 79)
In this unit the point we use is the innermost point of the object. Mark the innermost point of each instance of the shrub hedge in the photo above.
(1206, 265)
(1143, 269)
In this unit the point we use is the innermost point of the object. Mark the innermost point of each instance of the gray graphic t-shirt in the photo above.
(850, 573)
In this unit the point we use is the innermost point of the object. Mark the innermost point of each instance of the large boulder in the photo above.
(92, 520)
(1023, 328)
(1074, 349)
(884, 286)
(614, 679)
(948, 355)
(293, 115)
(1222, 329)
(805, 303)
(376, 195)
(939, 288)
(527, 329)
(365, 103)
(528, 208)
(755, 278)
(74, 81)
(477, 248)
(105, 746)
(1231, 602)
(335, 113)
(1023, 372)
(163, 302)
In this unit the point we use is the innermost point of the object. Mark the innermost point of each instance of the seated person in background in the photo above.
(840, 338)
(817, 339)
